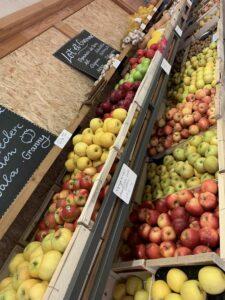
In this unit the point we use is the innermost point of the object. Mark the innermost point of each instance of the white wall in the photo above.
(8, 7)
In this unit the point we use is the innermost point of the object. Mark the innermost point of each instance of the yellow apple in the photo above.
(9, 294)
(160, 290)
(24, 288)
(113, 125)
(87, 138)
(119, 291)
(49, 264)
(77, 138)
(120, 114)
(30, 248)
(38, 251)
(94, 152)
(192, 289)
(133, 284)
(61, 239)
(38, 290)
(175, 279)
(71, 155)
(80, 149)
(87, 130)
(90, 171)
(70, 165)
(95, 124)
(6, 282)
(107, 139)
(34, 266)
(15, 261)
(75, 158)
(20, 276)
(148, 284)
(104, 156)
(173, 296)
(99, 130)
(22, 265)
(141, 295)
(105, 124)
(97, 138)
(212, 280)
(47, 242)
(97, 163)
(83, 163)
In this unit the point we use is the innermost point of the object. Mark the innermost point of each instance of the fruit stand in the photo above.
(137, 210)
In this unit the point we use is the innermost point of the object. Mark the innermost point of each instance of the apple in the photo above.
(202, 147)
(38, 290)
(211, 279)
(144, 230)
(209, 237)
(175, 278)
(177, 116)
(155, 235)
(211, 164)
(193, 182)
(134, 239)
(182, 251)
(119, 291)
(193, 129)
(161, 205)
(140, 295)
(201, 249)
(209, 185)
(49, 264)
(163, 220)
(170, 113)
(24, 289)
(195, 225)
(61, 239)
(142, 213)
(194, 207)
(69, 213)
(49, 219)
(203, 123)
(5, 283)
(184, 196)
(196, 140)
(177, 127)
(125, 252)
(152, 251)
(184, 133)
(176, 137)
(192, 158)
(140, 251)
(160, 290)
(168, 129)
(179, 154)
(179, 212)
(190, 238)
(20, 275)
(192, 289)
(133, 284)
(197, 116)
(167, 249)
(208, 200)
(187, 171)
(40, 234)
(152, 217)
(168, 234)
(34, 265)
(172, 201)
(83, 163)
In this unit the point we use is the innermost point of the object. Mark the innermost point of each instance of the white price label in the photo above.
(125, 184)
(214, 37)
(142, 26)
(166, 66)
(149, 17)
(154, 9)
(178, 31)
(138, 20)
(63, 138)
(116, 63)
(189, 2)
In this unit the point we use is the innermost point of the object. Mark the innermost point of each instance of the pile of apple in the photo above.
(181, 224)
(198, 73)
(31, 271)
(187, 166)
(133, 288)
(177, 286)
(184, 120)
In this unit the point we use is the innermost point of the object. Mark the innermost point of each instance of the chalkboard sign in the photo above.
(23, 146)
(86, 53)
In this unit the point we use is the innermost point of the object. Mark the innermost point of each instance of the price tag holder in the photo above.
(214, 37)
(138, 20)
(116, 63)
(154, 9)
(166, 66)
(149, 17)
(142, 26)
(189, 2)
(63, 138)
(125, 184)
(178, 31)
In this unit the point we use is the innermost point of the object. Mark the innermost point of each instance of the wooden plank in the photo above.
(66, 29)
(125, 6)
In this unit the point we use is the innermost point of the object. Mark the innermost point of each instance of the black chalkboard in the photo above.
(23, 146)
(86, 53)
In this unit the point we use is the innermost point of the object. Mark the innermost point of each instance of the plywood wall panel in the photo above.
(39, 87)
(103, 18)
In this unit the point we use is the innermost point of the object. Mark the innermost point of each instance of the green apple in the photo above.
(202, 147)
(152, 166)
(171, 166)
(192, 158)
(165, 182)
(214, 141)
(137, 76)
(208, 135)
(180, 185)
(142, 69)
(169, 190)
(141, 295)
(199, 165)
(179, 154)
(196, 140)
(193, 182)
(206, 176)
(157, 194)
(148, 284)
(160, 169)
(192, 89)
(191, 289)
(167, 159)
(211, 164)
(174, 175)
(179, 167)
(187, 171)
(165, 175)
(155, 179)
(119, 291)
(146, 61)
(190, 150)
(133, 284)
(211, 151)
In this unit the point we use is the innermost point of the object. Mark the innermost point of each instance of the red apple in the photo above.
(179, 212)
(168, 234)
(209, 185)
(190, 98)
(144, 230)
(152, 251)
(194, 207)
(209, 237)
(106, 106)
(184, 133)
(194, 129)
(86, 182)
(49, 219)
(207, 99)
(208, 219)
(152, 217)
(208, 200)
(195, 225)
(177, 127)
(141, 52)
(81, 197)
(133, 60)
(70, 213)
(201, 249)
(188, 120)
(179, 225)
(168, 143)
(197, 116)
(142, 213)
(168, 129)
(182, 251)
(150, 53)
(184, 196)
(99, 111)
(133, 217)
(63, 194)
(170, 113)
(42, 225)
(69, 226)
(199, 94)
(203, 123)
(167, 249)
(40, 234)
(216, 212)
(202, 108)
(177, 116)
(161, 205)
(163, 220)
(212, 120)
(140, 251)
(190, 238)
(172, 201)
(155, 235)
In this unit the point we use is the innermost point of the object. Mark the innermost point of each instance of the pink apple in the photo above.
(209, 237)
(209, 185)
(152, 251)
(144, 230)
(184, 196)
(163, 220)
(203, 123)
(193, 129)
(201, 249)
(194, 207)
(190, 238)
(167, 249)
(195, 225)
(140, 251)
(197, 116)
(208, 200)
(168, 234)
(208, 219)
(182, 251)
(155, 235)
(172, 201)
(161, 205)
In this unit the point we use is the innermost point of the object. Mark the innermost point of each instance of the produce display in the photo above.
(207, 18)
(183, 223)
(31, 270)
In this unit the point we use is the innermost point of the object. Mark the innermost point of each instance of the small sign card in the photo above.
(86, 53)
(178, 31)
(166, 66)
(63, 138)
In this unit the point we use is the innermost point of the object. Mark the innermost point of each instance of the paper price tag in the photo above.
(166, 66)
(63, 138)
(142, 26)
(149, 17)
(178, 31)
(125, 184)
(138, 20)
(214, 37)
(189, 2)
(116, 63)
(154, 9)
